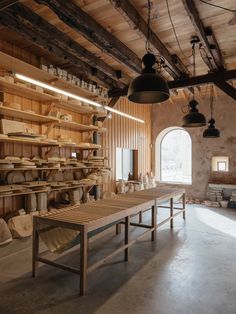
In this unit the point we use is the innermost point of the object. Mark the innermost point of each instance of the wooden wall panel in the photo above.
(126, 133)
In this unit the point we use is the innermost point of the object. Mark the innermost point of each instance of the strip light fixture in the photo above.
(65, 93)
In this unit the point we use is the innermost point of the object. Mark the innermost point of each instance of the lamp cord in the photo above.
(211, 102)
(148, 49)
(194, 64)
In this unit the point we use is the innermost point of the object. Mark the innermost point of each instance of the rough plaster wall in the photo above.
(169, 114)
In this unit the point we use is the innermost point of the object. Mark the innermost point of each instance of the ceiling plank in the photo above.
(6, 4)
(82, 23)
(213, 52)
(226, 88)
(174, 65)
(47, 36)
(188, 82)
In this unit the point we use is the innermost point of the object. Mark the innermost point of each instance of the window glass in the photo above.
(124, 163)
(176, 157)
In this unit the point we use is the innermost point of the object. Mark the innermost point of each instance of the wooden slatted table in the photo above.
(93, 216)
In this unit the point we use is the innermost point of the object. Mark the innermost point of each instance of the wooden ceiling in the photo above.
(118, 44)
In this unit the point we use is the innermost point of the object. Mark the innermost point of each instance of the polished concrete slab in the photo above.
(189, 270)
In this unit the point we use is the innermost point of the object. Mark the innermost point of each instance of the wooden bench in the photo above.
(93, 216)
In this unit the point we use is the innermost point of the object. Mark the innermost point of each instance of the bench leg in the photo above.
(83, 261)
(154, 223)
(184, 204)
(171, 211)
(35, 247)
(127, 222)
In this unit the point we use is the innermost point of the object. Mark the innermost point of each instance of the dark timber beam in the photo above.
(6, 3)
(213, 51)
(226, 88)
(188, 82)
(47, 36)
(83, 24)
(174, 66)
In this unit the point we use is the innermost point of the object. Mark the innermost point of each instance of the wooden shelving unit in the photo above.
(18, 88)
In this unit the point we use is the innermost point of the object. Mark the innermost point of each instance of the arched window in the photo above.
(174, 156)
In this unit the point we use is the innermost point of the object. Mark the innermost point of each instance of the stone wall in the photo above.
(169, 114)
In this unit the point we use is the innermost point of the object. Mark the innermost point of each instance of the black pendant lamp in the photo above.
(149, 87)
(194, 118)
(211, 131)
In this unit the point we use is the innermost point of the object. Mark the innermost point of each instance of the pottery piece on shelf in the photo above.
(21, 226)
(42, 200)
(5, 234)
(31, 203)
(15, 177)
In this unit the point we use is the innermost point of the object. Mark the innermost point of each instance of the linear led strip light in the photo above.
(62, 92)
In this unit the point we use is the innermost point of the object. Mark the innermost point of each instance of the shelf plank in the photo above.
(86, 110)
(27, 142)
(24, 91)
(7, 111)
(76, 126)
(52, 168)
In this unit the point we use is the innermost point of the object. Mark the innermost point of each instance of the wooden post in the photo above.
(154, 222)
(127, 222)
(171, 211)
(184, 203)
(83, 260)
(35, 247)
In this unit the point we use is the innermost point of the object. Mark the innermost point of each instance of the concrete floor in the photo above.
(189, 270)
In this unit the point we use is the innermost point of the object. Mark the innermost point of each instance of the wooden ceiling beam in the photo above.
(212, 51)
(226, 88)
(188, 82)
(7, 3)
(73, 16)
(48, 37)
(174, 65)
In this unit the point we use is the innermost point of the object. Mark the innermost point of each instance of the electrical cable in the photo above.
(148, 49)
(173, 27)
(218, 6)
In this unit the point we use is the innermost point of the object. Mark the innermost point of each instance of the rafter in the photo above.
(226, 88)
(188, 82)
(174, 65)
(82, 23)
(7, 3)
(47, 36)
(213, 51)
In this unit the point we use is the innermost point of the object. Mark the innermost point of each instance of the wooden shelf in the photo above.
(76, 107)
(26, 142)
(24, 91)
(48, 190)
(19, 114)
(52, 168)
(16, 65)
(76, 126)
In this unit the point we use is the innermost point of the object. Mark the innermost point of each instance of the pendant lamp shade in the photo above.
(149, 87)
(194, 118)
(211, 131)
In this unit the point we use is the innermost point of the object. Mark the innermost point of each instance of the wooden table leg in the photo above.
(127, 222)
(35, 247)
(171, 211)
(83, 260)
(184, 204)
(140, 217)
(118, 228)
(154, 222)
